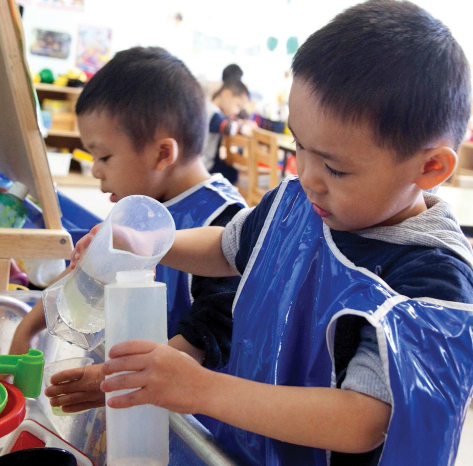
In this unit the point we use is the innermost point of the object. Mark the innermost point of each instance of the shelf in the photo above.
(76, 179)
(63, 133)
(61, 89)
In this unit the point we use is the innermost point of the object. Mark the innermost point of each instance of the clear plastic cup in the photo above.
(62, 365)
(135, 236)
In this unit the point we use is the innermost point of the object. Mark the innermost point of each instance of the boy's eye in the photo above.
(335, 173)
(103, 159)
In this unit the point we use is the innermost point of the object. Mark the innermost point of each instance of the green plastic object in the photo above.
(27, 371)
(46, 76)
(3, 397)
(13, 212)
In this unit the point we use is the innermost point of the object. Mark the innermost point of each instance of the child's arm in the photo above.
(197, 251)
(327, 418)
(30, 326)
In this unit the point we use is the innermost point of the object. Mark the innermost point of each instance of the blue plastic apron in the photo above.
(196, 207)
(297, 283)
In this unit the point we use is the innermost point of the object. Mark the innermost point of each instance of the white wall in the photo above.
(150, 22)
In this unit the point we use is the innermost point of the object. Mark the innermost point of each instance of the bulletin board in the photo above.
(23, 152)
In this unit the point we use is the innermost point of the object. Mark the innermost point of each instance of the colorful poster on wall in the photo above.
(93, 48)
(50, 43)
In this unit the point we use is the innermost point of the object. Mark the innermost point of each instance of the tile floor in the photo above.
(99, 204)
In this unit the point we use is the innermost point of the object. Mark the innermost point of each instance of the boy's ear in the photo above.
(438, 165)
(168, 152)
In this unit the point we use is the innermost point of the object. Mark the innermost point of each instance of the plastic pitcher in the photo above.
(135, 236)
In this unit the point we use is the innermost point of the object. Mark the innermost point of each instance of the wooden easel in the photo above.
(23, 152)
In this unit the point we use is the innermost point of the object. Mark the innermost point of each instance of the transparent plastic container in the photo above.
(13, 212)
(63, 365)
(135, 236)
(135, 309)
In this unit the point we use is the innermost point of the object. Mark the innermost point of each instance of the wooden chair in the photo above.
(464, 170)
(237, 150)
(263, 165)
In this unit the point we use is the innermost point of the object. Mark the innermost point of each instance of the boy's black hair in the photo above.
(235, 85)
(392, 65)
(232, 72)
(149, 89)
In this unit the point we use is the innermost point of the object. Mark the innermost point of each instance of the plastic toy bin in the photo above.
(75, 219)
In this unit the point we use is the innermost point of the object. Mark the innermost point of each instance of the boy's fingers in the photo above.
(129, 363)
(73, 387)
(83, 406)
(127, 381)
(68, 375)
(131, 347)
(83, 244)
(77, 398)
(74, 407)
(129, 399)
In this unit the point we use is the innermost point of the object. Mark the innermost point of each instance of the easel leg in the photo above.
(4, 274)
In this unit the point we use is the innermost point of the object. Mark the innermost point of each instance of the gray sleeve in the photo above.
(365, 372)
(231, 236)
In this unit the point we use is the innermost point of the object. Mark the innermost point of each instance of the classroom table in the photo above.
(461, 200)
(286, 142)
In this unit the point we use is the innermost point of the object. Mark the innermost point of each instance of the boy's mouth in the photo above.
(320, 211)
(113, 196)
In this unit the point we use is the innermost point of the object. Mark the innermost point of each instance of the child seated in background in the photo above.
(232, 72)
(142, 117)
(352, 337)
(222, 113)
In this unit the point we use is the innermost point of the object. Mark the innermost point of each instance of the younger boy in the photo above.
(222, 111)
(352, 335)
(142, 117)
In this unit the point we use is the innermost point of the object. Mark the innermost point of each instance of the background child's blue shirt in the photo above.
(219, 125)
(200, 309)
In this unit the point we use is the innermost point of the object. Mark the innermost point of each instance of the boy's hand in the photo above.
(161, 375)
(82, 245)
(77, 389)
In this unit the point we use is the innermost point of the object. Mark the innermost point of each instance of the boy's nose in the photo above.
(313, 180)
(96, 173)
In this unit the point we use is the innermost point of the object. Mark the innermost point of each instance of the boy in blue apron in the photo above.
(352, 339)
(142, 117)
